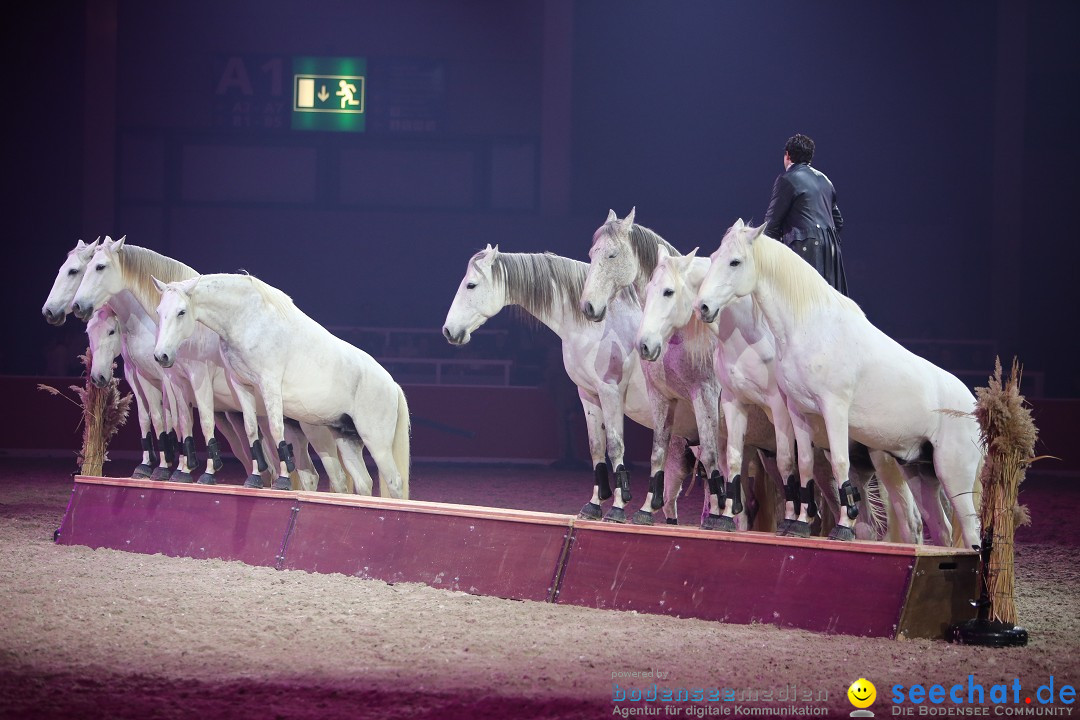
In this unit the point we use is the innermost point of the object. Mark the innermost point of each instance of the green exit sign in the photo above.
(329, 94)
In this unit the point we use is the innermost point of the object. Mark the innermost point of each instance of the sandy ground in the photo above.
(95, 634)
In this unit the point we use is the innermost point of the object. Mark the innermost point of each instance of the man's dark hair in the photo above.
(800, 149)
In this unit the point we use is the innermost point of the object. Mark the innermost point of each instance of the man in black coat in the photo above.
(803, 214)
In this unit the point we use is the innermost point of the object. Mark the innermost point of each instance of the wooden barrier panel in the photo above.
(197, 521)
(853, 588)
(856, 588)
(483, 551)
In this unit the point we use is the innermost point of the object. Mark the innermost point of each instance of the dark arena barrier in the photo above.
(871, 589)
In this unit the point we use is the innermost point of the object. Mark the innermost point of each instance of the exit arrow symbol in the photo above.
(322, 93)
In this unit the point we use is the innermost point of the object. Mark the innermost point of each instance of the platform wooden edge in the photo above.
(514, 515)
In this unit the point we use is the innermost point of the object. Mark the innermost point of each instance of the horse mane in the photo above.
(536, 281)
(139, 266)
(797, 280)
(275, 298)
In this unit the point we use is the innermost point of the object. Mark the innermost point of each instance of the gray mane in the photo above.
(537, 281)
(645, 244)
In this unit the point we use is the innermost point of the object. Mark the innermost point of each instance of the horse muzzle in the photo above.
(708, 314)
(649, 352)
(164, 359)
(100, 380)
(592, 313)
(54, 318)
(455, 339)
(81, 311)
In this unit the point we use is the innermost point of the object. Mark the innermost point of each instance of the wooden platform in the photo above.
(856, 588)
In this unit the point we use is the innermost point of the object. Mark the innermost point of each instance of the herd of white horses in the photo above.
(748, 357)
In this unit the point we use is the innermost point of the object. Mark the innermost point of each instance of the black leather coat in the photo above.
(804, 216)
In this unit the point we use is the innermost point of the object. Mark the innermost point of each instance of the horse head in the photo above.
(103, 331)
(177, 315)
(103, 279)
(668, 303)
(732, 272)
(478, 298)
(66, 284)
(612, 265)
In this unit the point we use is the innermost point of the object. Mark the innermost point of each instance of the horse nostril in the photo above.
(446, 334)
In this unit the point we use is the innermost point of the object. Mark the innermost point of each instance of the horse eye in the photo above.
(470, 286)
(181, 313)
(101, 266)
(669, 292)
(736, 263)
(611, 256)
(73, 271)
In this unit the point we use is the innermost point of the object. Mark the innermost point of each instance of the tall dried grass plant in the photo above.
(104, 411)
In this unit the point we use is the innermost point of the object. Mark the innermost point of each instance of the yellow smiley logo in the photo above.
(862, 693)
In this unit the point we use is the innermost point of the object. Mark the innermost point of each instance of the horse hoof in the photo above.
(207, 479)
(782, 527)
(281, 483)
(671, 521)
(142, 472)
(253, 481)
(615, 515)
(161, 474)
(181, 477)
(590, 511)
(722, 523)
(798, 528)
(842, 533)
(643, 518)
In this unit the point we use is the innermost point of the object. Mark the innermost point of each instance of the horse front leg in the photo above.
(725, 496)
(799, 503)
(270, 390)
(835, 414)
(663, 413)
(151, 418)
(681, 461)
(202, 391)
(245, 397)
(595, 425)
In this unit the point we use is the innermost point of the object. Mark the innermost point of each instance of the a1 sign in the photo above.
(329, 94)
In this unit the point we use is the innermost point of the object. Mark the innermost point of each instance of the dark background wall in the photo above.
(948, 129)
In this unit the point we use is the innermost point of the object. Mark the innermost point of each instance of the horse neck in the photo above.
(559, 318)
(779, 316)
(128, 309)
(221, 304)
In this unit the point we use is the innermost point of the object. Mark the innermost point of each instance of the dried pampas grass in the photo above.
(104, 411)
(1008, 436)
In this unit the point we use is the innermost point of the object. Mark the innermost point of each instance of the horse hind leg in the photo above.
(594, 424)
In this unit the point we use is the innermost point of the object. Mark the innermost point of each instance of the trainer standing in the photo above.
(803, 214)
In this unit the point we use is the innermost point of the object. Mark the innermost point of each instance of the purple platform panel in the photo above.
(815, 584)
(196, 521)
(483, 551)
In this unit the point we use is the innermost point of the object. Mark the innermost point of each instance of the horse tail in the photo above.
(401, 443)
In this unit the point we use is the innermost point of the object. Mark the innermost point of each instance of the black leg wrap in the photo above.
(173, 452)
(189, 451)
(258, 456)
(734, 491)
(284, 450)
(716, 485)
(622, 479)
(163, 445)
(807, 496)
(849, 495)
(793, 492)
(601, 481)
(148, 442)
(214, 452)
(656, 486)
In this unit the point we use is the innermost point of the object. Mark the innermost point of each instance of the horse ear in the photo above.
(739, 224)
(488, 257)
(661, 254)
(158, 284)
(758, 232)
(629, 219)
(119, 243)
(80, 245)
(611, 216)
(692, 254)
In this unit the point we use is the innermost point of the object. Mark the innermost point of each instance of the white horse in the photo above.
(842, 374)
(275, 353)
(58, 303)
(121, 275)
(745, 353)
(623, 257)
(598, 357)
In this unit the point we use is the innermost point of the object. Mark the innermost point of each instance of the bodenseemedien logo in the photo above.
(862, 694)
